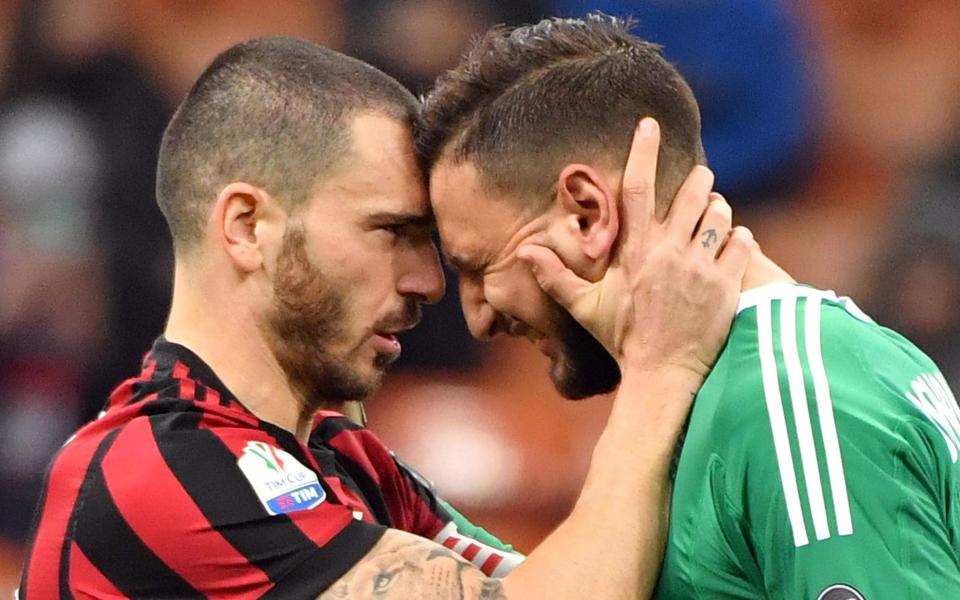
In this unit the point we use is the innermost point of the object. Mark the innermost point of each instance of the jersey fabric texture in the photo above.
(178, 491)
(820, 462)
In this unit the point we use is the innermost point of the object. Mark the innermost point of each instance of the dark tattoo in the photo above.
(402, 565)
(709, 237)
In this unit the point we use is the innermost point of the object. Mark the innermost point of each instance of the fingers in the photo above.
(715, 225)
(640, 176)
(690, 202)
(554, 278)
(734, 255)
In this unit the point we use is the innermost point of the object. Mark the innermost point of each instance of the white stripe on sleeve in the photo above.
(828, 424)
(801, 414)
(778, 425)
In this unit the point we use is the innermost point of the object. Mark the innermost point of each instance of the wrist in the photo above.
(663, 378)
(657, 400)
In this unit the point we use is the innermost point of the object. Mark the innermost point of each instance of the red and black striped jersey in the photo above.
(178, 491)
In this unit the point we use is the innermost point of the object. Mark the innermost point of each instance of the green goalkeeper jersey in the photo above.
(820, 462)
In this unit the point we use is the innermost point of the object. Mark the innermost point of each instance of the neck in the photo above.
(228, 339)
(762, 271)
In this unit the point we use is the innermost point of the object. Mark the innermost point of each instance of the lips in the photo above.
(386, 343)
(386, 339)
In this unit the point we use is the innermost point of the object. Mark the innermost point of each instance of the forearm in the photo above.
(611, 545)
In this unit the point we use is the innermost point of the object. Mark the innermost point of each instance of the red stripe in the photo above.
(147, 372)
(490, 565)
(135, 473)
(66, 476)
(86, 581)
(188, 389)
(123, 394)
(180, 370)
(451, 541)
(470, 551)
(213, 396)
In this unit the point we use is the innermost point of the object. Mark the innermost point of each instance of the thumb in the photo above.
(554, 277)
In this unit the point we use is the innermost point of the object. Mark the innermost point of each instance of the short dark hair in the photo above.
(525, 101)
(272, 112)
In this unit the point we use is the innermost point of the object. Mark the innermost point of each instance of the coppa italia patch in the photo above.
(282, 484)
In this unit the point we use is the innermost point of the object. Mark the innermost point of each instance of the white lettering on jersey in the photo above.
(932, 396)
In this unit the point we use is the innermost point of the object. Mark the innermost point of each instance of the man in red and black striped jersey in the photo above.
(302, 235)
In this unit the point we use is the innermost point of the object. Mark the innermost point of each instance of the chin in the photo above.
(576, 378)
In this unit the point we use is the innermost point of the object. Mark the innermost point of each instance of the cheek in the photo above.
(517, 294)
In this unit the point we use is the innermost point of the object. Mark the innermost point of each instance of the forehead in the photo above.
(474, 223)
(378, 172)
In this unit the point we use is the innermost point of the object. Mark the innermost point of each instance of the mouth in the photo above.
(386, 340)
(387, 345)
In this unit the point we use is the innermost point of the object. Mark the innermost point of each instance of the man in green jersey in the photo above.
(821, 457)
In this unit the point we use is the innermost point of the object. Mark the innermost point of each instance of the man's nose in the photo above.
(481, 318)
(423, 276)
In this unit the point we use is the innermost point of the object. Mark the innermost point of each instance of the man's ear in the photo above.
(592, 216)
(243, 219)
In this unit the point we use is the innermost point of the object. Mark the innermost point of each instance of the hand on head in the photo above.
(669, 295)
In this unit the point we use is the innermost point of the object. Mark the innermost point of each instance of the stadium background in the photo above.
(832, 126)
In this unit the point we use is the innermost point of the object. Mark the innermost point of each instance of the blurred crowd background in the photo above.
(833, 127)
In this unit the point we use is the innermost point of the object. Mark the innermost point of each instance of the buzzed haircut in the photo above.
(526, 101)
(272, 112)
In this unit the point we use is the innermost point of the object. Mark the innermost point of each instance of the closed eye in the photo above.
(465, 267)
(414, 232)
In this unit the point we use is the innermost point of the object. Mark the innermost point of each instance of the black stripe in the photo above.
(114, 548)
(425, 489)
(208, 472)
(314, 575)
(329, 428)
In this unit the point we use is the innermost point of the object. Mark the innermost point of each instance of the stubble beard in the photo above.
(582, 367)
(308, 319)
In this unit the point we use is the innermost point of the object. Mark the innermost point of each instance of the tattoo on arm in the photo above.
(402, 565)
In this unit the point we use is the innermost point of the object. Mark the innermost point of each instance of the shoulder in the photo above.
(802, 351)
(817, 408)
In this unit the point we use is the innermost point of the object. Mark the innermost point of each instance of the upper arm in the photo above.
(218, 511)
(402, 565)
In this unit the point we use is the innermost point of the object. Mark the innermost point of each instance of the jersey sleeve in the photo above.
(868, 517)
(192, 507)
(492, 556)
(404, 499)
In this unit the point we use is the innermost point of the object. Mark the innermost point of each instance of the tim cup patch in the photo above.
(282, 484)
(840, 591)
